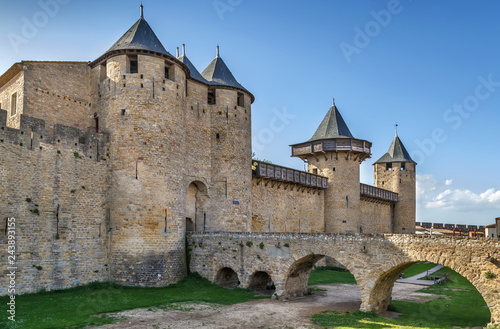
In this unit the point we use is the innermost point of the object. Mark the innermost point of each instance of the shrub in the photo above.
(490, 275)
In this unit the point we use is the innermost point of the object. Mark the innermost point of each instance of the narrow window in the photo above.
(96, 122)
(13, 104)
(217, 136)
(241, 99)
(167, 73)
(133, 66)
(315, 171)
(403, 166)
(103, 72)
(166, 216)
(211, 96)
(333, 168)
(388, 166)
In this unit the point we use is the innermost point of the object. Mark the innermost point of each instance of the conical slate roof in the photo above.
(397, 152)
(218, 73)
(332, 126)
(140, 36)
(194, 72)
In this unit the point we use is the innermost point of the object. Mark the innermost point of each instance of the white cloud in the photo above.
(433, 194)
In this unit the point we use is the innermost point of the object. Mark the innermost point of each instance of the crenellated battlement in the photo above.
(33, 134)
(152, 87)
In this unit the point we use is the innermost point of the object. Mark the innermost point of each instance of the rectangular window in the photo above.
(211, 96)
(169, 72)
(388, 166)
(403, 166)
(133, 65)
(103, 72)
(13, 104)
(241, 99)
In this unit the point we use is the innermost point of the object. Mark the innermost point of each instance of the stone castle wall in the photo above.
(376, 216)
(58, 92)
(54, 183)
(286, 207)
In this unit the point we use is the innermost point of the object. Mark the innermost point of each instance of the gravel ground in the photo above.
(259, 313)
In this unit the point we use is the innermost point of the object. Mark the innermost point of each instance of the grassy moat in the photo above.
(459, 304)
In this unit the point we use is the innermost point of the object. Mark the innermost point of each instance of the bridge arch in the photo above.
(298, 273)
(261, 281)
(473, 266)
(380, 295)
(227, 278)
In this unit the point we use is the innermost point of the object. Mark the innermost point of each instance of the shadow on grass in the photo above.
(77, 307)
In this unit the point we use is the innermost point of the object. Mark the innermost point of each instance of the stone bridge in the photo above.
(254, 260)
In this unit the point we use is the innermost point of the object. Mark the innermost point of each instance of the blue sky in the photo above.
(429, 66)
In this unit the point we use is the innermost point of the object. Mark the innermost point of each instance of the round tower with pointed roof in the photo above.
(396, 171)
(334, 152)
(179, 153)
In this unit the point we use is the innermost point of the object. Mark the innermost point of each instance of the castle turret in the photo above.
(139, 99)
(396, 171)
(230, 108)
(179, 153)
(334, 152)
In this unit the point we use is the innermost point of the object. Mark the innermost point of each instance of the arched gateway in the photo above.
(196, 207)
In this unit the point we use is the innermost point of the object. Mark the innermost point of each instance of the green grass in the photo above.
(75, 307)
(418, 268)
(325, 275)
(458, 308)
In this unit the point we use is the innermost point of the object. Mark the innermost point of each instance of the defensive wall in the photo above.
(54, 183)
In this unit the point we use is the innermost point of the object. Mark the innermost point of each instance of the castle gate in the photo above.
(375, 260)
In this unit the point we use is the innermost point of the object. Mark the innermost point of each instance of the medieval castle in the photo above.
(107, 164)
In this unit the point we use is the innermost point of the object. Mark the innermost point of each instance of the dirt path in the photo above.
(258, 313)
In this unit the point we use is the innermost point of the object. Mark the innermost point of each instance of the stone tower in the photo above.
(396, 171)
(334, 152)
(174, 136)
